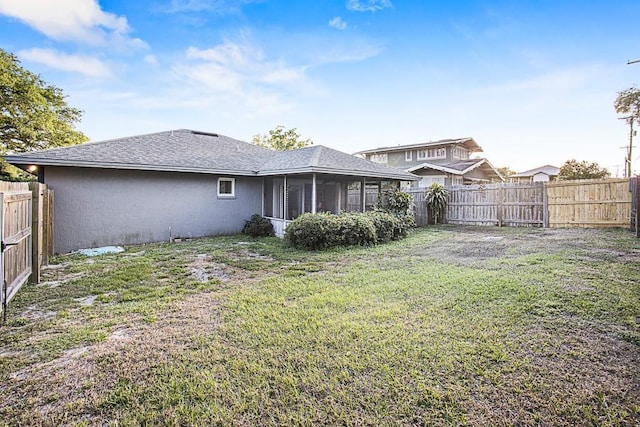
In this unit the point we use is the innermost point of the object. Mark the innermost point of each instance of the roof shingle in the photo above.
(192, 151)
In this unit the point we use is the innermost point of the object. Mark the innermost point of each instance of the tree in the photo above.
(628, 102)
(573, 169)
(436, 198)
(506, 171)
(280, 139)
(33, 114)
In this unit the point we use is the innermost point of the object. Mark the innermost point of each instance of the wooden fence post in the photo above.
(637, 206)
(37, 199)
(48, 227)
(545, 206)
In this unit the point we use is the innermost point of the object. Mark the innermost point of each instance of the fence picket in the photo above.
(586, 203)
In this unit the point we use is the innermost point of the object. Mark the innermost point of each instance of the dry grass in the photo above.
(453, 326)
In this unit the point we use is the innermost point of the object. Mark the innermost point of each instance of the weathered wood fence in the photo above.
(635, 204)
(26, 235)
(585, 203)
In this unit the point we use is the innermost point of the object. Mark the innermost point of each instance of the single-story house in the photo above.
(544, 173)
(185, 183)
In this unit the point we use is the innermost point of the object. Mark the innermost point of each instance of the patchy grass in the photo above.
(452, 326)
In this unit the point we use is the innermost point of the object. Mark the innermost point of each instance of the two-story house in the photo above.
(447, 162)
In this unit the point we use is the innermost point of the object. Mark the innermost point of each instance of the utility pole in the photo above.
(627, 160)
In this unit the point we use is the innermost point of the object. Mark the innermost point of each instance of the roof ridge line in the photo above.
(315, 158)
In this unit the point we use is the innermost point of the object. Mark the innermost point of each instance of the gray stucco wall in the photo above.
(98, 207)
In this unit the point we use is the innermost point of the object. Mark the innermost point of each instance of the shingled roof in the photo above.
(179, 150)
(546, 169)
(320, 159)
(186, 150)
(460, 167)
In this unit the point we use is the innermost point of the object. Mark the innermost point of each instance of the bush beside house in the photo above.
(326, 230)
(258, 226)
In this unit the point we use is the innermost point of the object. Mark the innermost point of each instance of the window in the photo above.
(408, 156)
(422, 154)
(460, 153)
(437, 153)
(378, 158)
(226, 187)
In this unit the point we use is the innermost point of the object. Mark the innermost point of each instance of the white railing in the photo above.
(279, 225)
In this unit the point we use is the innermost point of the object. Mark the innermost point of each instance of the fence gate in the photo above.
(15, 243)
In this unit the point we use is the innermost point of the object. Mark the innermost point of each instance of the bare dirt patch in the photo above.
(82, 377)
(203, 269)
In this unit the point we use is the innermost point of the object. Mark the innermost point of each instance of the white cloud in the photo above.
(86, 65)
(368, 5)
(356, 51)
(233, 67)
(239, 74)
(151, 59)
(218, 6)
(337, 23)
(81, 21)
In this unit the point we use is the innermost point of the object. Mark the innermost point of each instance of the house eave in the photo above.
(342, 172)
(22, 161)
(475, 147)
(456, 171)
(435, 167)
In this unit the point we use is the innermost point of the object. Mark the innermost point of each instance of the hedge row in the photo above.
(327, 230)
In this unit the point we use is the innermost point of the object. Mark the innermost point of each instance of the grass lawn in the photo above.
(452, 326)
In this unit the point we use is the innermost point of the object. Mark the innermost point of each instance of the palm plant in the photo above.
(436, 198)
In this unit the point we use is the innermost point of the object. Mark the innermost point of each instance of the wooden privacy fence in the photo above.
(26, 235)
(585, 203)
(601, 203)
(513, 205)
(635, 205)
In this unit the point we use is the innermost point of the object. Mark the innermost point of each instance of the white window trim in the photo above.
(460, 153)
(435, 151)
(379, 158)
(422, 154)
(233, 187)
(408, 156)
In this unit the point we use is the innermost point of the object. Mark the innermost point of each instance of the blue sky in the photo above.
(532, 81)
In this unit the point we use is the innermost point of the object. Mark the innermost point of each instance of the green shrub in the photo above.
(258, 226)
(326, 230)
(356, 229)
(388, 226)
(395, 201)
(399, 204)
